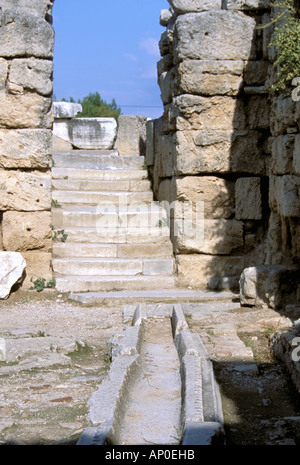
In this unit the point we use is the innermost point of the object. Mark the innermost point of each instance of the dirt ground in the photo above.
(49, 404)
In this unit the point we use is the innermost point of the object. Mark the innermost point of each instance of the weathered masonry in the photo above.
(226, 140)
(26, 83)
(225, 143)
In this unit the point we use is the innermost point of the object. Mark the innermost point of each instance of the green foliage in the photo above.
(94, 106)
(286, 40)
(40, 284)
(59, 236)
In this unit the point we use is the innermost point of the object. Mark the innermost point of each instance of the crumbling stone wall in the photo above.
(223, 140)
(26, 84)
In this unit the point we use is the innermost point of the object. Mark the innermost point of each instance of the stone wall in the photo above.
(224, 156)
(26, 54)
(225, 141)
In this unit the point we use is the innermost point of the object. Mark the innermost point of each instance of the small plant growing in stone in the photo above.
(55, 204)
(59, 235)
(40, 284)
(162, 223)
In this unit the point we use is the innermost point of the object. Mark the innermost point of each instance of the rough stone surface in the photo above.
(187, 6)
(284, 195)
(131, 138)
(12, 271)
(28, 110)
(23, 33)
(66, 110)
(248, 203)
(25, 148)
(32, 74)
(25, 191)
(216, 35)
(271, 286)
(27, 231)
(196, 269)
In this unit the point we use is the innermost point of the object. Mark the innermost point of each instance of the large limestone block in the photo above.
(38, 265)
(282, 154)
(285, 113)
(3, 73)
(28, 110)
(32, 74)
(218, 151)
(216, 193)
(25, 191)
(188, 6)
(192, 112)
(217, 35)
(272, 286)
(24, 33)
(220, 236)
(25, 148)
(245, 4)
(209, 77)
(27, 231)
(165, 16)
(284, 195)
(150, 150)
(248, 199)
(66, 110)
(61, 145)
(256, 72)
(196, 269)
(258, 112)
(165, 156)
(131, 138)
(296, 155)
(42, 7)
(12, 269)
(87, 133)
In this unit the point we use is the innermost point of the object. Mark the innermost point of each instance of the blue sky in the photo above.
(110, 47)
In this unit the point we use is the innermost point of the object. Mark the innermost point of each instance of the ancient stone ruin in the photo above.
(203, 199)
(223, 158)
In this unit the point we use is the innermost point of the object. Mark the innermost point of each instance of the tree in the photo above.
(94, 106)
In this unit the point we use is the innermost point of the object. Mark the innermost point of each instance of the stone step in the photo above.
(112, 267)
(113, 283)
(101, 186)
(95, 198)
(97, 161)
(139, 217)
(153, 236)
(132, 297)
(95, 250)
(68, 173)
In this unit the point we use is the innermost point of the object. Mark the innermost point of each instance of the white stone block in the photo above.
(87, 133)
(12, 267)
(66, 110)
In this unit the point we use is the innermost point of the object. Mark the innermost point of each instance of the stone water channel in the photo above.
(161, 388)
(51, 404)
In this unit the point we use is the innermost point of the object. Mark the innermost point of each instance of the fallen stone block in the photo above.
(12, 271)
(269, 286)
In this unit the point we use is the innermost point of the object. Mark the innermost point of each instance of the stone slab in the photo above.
(12, 272)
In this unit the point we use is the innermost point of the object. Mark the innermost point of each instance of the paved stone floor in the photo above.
(44, 395)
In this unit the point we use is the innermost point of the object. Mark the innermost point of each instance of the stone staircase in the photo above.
(117, 237)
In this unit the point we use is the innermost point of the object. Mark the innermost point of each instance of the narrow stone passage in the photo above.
(153, 411)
